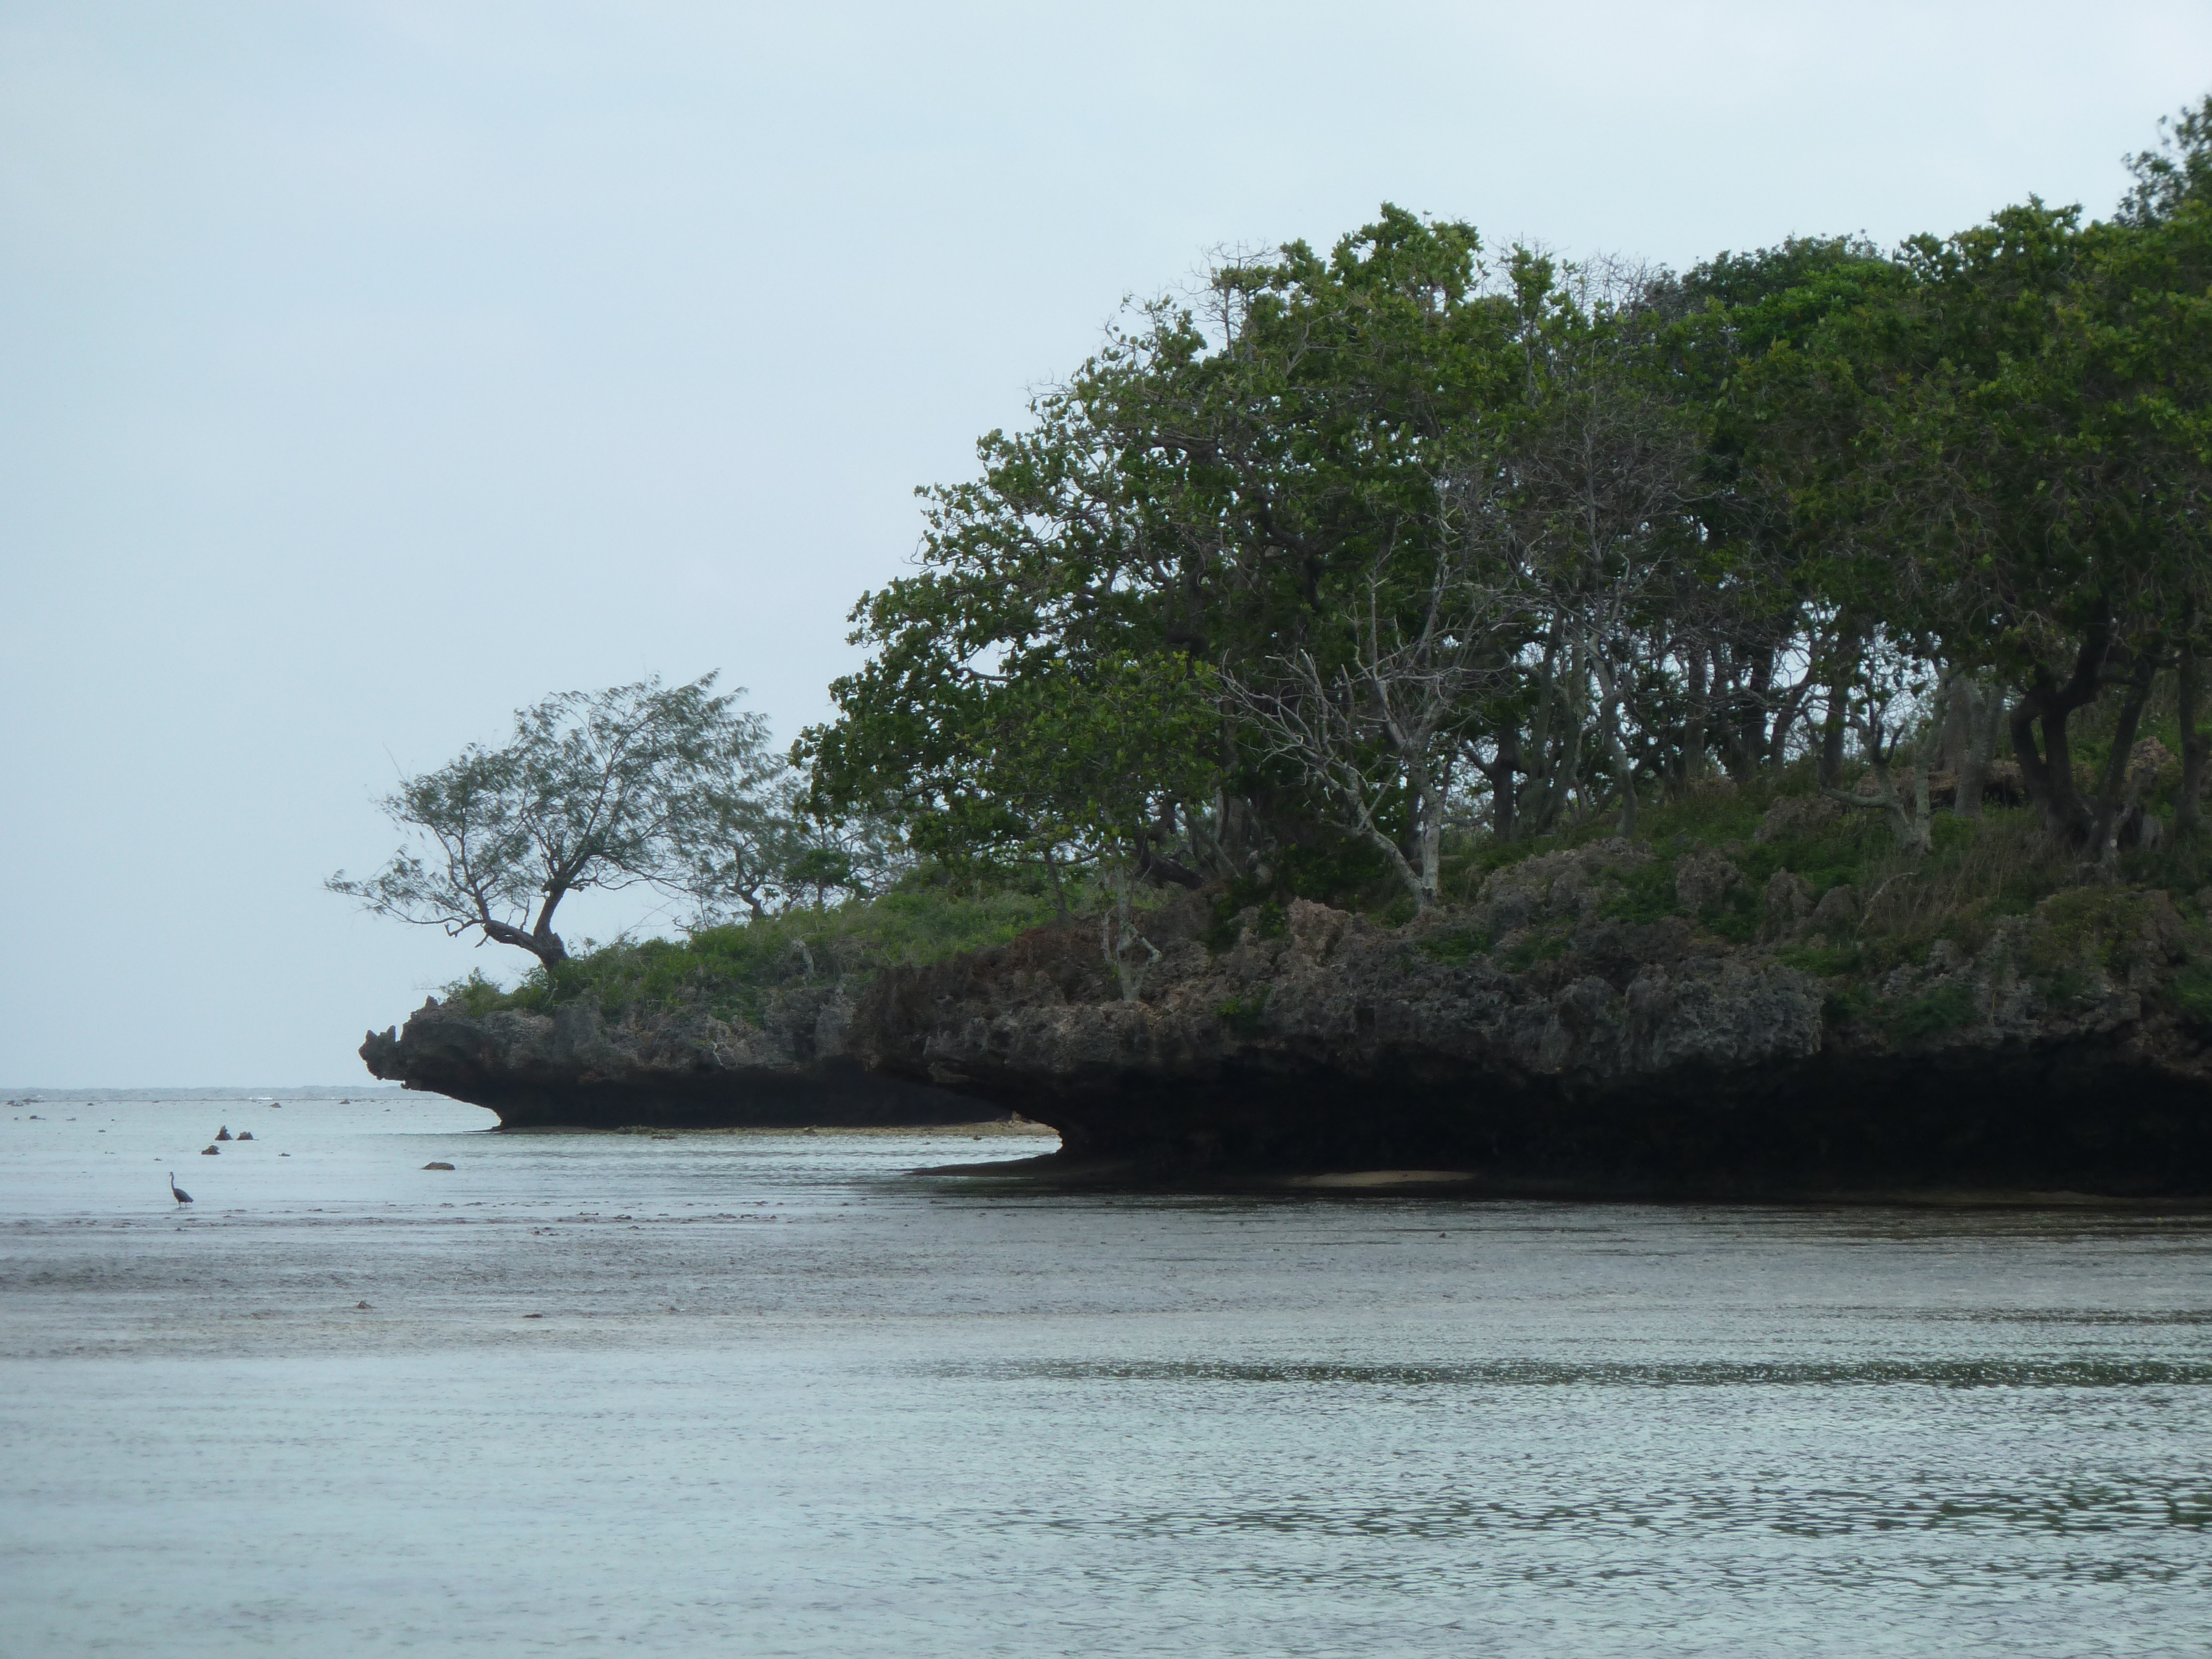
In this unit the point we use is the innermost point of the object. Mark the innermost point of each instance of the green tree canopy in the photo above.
(672, 787)
(1359, 545)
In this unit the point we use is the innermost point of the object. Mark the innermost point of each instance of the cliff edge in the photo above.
(682, 1068)
(1539, 1040)
(1560, 1033)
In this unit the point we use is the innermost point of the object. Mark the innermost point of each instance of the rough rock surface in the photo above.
(1535, 1038)
(572, 1068)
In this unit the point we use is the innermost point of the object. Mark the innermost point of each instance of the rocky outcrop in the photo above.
(1564, 1033)
(1546, 1040)
(573, 1068)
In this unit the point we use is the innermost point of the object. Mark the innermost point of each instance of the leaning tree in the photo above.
(669, 788)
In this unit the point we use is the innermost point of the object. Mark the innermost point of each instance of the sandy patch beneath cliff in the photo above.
(995, 1129)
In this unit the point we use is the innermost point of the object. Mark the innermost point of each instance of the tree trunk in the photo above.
(2113, 795)
(1422, 871)
(1985, 710)
(1120, 940)
(1912, 828)
(1626, 773)
(1610, 693)
(1567, 775)
(1432, 846)
(1228, 852)
(1403, 869)
(1504, 793)
(543, 942)
(2049, 771)
(1954, 719)
(1059, 892)
(1690, 757)
(1541, 811)
(1748, 740)
(1157, 868)
(1832, 736)
(2193, 746)
(1785, 721)
(1417, 818)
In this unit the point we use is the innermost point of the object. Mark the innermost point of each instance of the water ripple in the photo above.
(1958, 1373)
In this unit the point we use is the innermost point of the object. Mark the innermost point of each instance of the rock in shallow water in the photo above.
(1536, 1040)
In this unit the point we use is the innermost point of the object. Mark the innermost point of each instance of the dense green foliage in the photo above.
(1377, 570)
(734, 970)
(673, 788)
(1403, 543)
(1979, 874)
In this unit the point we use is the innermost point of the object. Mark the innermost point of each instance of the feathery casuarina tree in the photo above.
(669, 787)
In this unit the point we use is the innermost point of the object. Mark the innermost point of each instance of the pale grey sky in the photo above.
(367, 370)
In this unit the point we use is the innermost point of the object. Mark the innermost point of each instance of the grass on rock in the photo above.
(735, 970)
(1982, 871)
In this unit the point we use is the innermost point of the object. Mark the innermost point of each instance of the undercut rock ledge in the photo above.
(1527, 1043)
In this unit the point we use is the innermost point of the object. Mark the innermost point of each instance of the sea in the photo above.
(797, 1393)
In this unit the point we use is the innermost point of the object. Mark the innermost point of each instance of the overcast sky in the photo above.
(367, 371)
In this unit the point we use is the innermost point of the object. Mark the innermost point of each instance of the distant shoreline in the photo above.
(25, 1092)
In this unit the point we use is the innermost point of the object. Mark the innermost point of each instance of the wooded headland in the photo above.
(1805, 650)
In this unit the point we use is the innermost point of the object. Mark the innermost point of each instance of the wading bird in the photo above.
(177, 1192)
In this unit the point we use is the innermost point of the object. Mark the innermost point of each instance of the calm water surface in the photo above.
(783, 1395)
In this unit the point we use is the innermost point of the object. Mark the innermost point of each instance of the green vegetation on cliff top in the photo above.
(1980, 871)
(1360, 574)
(733, 971)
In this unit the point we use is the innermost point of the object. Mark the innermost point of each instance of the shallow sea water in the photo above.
(783, 1395)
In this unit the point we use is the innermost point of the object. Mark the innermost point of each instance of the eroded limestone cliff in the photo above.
(682, 1067)
(1544, 1038)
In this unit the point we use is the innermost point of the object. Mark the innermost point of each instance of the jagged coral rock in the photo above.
(1538, 1034)
(671, 1066)
(1837, 913)
(1797, 815)
(1703, 876)
(1787, 901)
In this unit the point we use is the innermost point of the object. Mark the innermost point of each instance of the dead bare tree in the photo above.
(1120, 936)
(1601, 476)
(1884, 708)
(1385, 725)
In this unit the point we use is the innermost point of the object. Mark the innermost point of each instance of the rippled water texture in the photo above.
(776, 1394)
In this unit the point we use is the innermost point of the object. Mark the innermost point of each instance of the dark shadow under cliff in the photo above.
(1649, 1057)
(1562, 1033)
